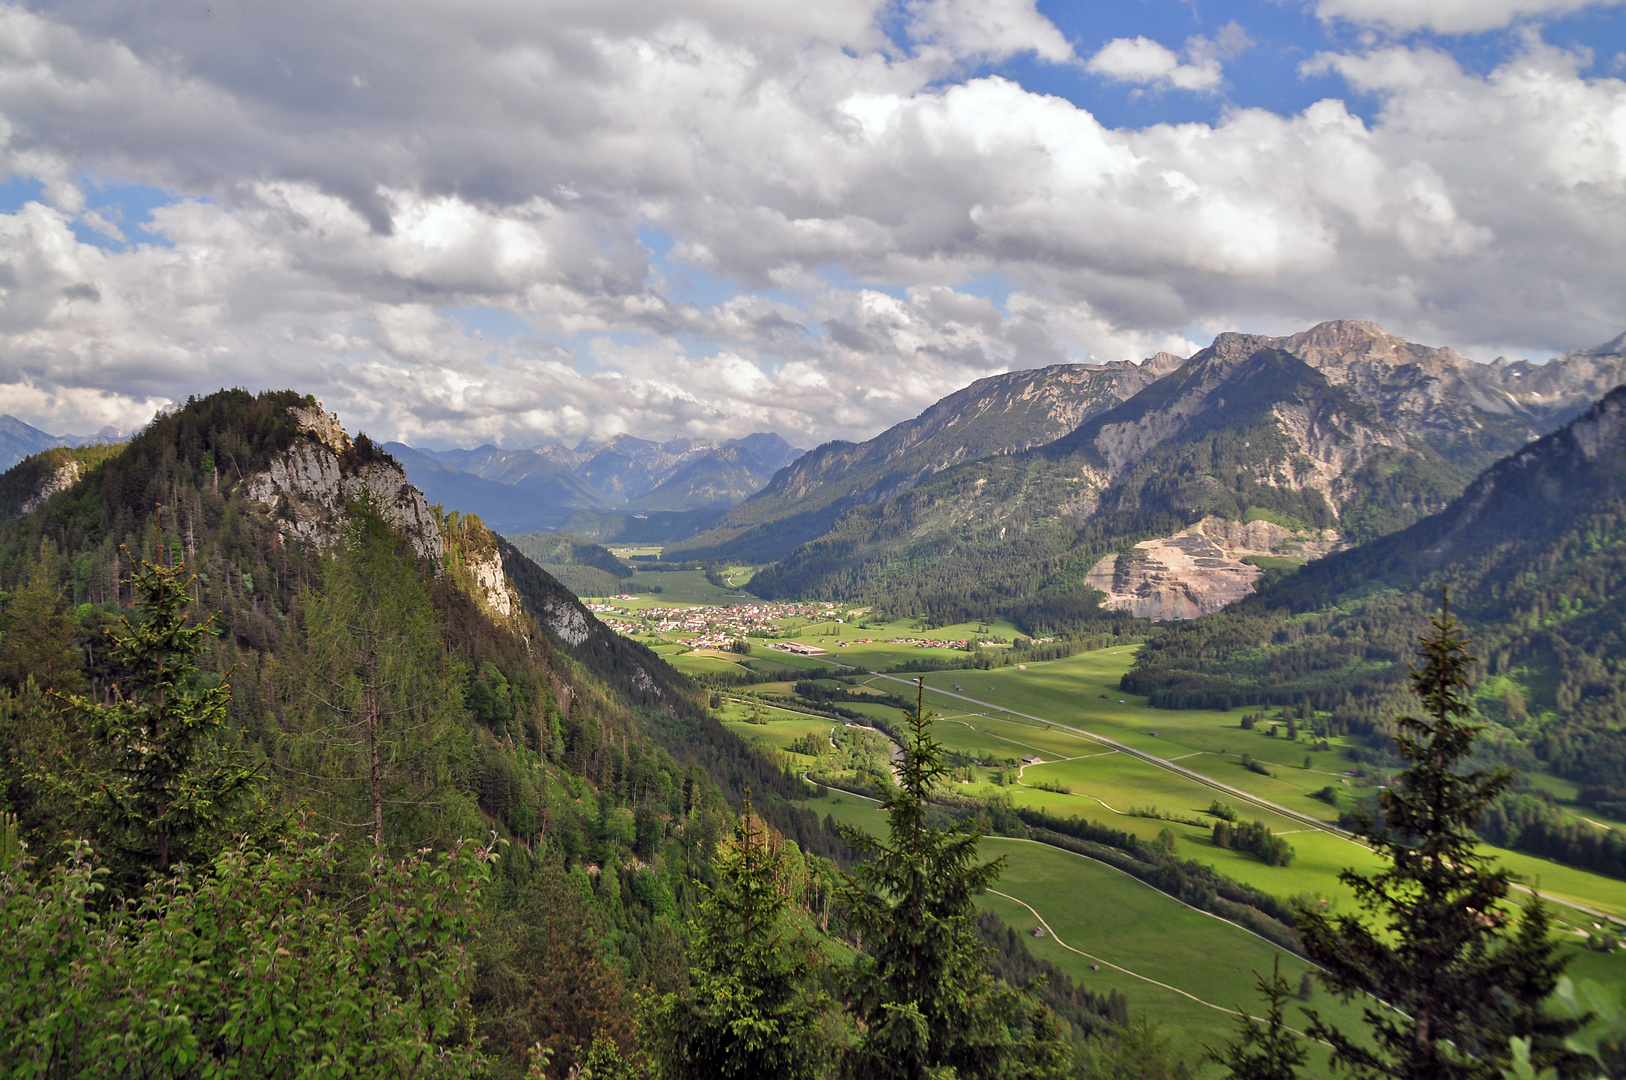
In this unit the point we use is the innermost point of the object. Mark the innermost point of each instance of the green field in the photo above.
(1081, 692)
(1142, 941)
(1052, 709)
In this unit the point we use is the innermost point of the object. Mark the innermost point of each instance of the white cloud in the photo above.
(508, 158)
(1449, 16)
(1145, 62)
(992, 29)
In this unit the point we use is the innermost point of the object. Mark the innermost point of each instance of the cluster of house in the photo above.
(933, 643)
(710, 627)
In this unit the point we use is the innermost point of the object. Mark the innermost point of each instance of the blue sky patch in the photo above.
(1266, 75)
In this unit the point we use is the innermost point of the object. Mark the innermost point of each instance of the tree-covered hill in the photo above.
(585, 568)
(1534, 552)
(362, 633)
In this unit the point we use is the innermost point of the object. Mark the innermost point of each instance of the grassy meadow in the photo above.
(1136, 937)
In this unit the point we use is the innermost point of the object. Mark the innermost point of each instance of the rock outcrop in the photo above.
(308, 488)
(1199, 569)
(65, 476)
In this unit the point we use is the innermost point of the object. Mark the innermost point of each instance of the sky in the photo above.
(520, 221)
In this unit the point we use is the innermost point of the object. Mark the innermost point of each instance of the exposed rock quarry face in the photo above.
(1200, 569)
(64, 478)
(307, 489)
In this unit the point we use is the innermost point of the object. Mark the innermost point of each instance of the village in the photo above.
(772, 625)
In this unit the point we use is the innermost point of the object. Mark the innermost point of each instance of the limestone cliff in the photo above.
(61, 479)
(308, 488)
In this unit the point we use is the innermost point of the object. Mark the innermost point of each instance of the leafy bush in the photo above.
(247, 968)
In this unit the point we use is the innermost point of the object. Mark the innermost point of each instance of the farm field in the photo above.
(1207, 742)
(982, 717)
(1124, 923)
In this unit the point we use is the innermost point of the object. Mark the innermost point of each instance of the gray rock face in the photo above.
(1466, 409)
(66, 475)
(1200, 569)
(308, 488)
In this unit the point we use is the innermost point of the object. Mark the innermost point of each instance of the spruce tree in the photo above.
(922, 992)
(1452, 979)
(1268, 1051)
(157, 777)
(373, 699)
(751, 1010)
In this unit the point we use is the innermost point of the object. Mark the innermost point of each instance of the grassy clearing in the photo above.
(1082, 692)
(1119, 921)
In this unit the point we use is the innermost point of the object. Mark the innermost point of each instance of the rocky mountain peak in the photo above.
(308, 488)
(1160, 364)
(322, 426)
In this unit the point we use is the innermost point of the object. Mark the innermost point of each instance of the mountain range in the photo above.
(1533, 554)
(539, 489)
(1007, 497)
(19, 440)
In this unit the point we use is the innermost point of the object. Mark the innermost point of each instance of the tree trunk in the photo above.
(370, 704)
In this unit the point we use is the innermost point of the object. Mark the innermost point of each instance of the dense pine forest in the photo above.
(439, 829)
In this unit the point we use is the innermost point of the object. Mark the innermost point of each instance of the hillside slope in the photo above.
(1000, 415)
(1534, 552)
(1340, 434)
(498, 703)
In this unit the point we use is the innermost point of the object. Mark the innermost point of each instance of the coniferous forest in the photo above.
(305, 778)
(285, 807)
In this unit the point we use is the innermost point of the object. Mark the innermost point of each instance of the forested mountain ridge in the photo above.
(1241, 429)
(498, 704)
(1351, 442)
(1470, 413)
(999, 415)
(1534, 552)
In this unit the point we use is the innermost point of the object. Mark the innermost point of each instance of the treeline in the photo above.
(1255, 838)
(1531, 824)
(1186, 880)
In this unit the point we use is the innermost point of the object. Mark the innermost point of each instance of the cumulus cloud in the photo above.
(348, 181)
(990, 29)
(1449, 16)
(1143, 61)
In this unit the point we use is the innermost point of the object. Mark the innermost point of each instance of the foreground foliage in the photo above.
(751, 1010)
(248, 967)
(1452, 979)
(922, 994)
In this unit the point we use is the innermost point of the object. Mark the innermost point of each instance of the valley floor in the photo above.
(1098, 753)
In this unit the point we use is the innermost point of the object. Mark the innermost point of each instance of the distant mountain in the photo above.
(721, 477)
(19, 440)
(539, 502)
(1534, 552)
(1004, 414)
(541, 488)
(1343, 431)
